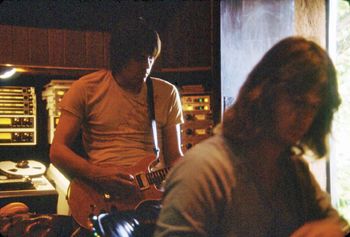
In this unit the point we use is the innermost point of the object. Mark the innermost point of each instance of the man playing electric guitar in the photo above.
(110, 108)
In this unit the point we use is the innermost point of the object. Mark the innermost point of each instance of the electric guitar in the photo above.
(86, 200)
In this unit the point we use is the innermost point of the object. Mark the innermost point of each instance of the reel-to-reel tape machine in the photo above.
(25, 181)
(18, 175)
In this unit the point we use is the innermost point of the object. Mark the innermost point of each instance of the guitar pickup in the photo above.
(142, 181)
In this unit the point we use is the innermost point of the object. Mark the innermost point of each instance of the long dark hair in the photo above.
(294, 65)
(129, 39)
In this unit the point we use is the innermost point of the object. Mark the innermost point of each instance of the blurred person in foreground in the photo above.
(250, 180)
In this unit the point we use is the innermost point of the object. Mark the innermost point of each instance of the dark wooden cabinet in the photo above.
(187, 37)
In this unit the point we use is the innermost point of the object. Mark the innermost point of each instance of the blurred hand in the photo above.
(114, 181)
(320, 228)
(13, 208)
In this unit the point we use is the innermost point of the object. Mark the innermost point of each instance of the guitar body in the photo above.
(86, 200)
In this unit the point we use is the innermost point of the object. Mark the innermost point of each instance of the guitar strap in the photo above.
(152, 116)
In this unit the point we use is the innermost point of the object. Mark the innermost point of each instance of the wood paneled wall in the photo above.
(53, 47)
(187, 39)
(186, 43)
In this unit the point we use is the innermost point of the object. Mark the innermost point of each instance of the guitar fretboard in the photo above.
(156, 177)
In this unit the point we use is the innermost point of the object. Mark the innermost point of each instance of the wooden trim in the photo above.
(185, 69)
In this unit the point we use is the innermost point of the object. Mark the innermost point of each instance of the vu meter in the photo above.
(17, 116)
(198, 119)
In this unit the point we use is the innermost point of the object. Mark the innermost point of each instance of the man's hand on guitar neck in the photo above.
(113, 181)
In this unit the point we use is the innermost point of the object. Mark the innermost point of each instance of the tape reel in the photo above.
(23, 168)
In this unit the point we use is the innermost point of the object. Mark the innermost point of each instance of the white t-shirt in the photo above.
(116, 129)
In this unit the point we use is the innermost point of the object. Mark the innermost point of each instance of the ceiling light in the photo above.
(7, 73)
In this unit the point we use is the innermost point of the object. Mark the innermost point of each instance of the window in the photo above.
(339, 48)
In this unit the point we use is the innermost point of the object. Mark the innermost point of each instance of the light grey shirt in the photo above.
(213, 193)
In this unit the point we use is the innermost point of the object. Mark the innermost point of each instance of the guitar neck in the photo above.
(145, 180)
(156, 177)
